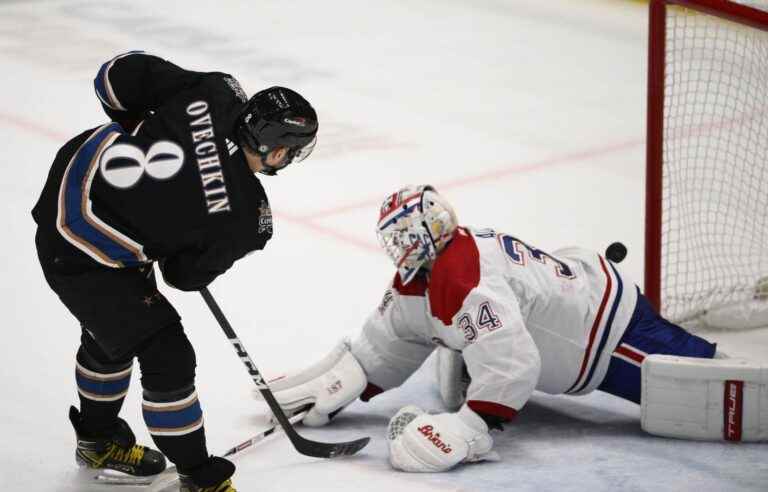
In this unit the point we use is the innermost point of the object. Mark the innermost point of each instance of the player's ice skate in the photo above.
(213, 476)
(114, 453)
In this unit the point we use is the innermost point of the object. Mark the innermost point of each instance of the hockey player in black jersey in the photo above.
(170, 180)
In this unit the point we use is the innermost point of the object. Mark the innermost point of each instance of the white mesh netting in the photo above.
(715, 173)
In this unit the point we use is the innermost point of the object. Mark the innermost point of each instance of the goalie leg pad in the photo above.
(707, 399)
(328, 386)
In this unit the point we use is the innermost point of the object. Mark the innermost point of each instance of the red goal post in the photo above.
(706, 240)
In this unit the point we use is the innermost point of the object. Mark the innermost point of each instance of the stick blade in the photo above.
(331, 450)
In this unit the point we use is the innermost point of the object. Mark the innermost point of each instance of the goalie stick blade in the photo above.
(328, 450)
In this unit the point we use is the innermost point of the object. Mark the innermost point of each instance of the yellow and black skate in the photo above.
(116, 450)
(212, 476)
(188, 486)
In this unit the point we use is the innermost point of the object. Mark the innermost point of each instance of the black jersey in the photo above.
(175, 188)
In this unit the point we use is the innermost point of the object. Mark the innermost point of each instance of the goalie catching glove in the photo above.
(325, 388)
(421, 442)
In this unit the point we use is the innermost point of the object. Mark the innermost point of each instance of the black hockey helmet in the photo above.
(278, 117)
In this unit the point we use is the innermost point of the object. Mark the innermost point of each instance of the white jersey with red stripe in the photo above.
(522, 318)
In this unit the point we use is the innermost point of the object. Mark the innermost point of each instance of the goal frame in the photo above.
(657, 30)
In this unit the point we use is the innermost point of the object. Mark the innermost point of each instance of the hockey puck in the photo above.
(616, 252)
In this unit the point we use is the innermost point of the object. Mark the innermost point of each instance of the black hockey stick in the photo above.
(302, 445)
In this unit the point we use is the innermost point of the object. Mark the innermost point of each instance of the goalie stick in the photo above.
(169, 476)
(302, 445)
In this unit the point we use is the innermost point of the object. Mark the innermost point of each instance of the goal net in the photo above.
(707, 162)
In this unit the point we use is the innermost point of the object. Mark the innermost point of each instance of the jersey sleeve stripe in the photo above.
(593, 330)
(591, 359)
(608, 326)
(76, 221)
(491, 408)
(138, 127)
(104, 90)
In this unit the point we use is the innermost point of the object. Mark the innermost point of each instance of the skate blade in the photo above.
(167, 478)
(109, 476)
(114, 477)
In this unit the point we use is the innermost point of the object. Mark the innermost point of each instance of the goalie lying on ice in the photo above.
(509, 318)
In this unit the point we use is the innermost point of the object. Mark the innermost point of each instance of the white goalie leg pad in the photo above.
(708, 399)
(328, 385)
(452, 380)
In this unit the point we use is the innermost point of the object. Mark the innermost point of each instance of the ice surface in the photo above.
(528, 115)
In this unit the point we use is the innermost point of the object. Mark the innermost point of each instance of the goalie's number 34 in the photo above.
(485, 319)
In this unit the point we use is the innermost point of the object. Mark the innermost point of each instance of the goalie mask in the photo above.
(415, 225)
(278, 117)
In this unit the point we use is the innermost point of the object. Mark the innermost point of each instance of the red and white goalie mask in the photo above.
(415, 224)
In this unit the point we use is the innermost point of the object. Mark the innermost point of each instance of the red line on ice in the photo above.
(32, 127)
(491, 176)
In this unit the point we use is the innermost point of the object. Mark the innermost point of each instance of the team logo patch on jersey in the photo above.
(265, 217)
(236, 88)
